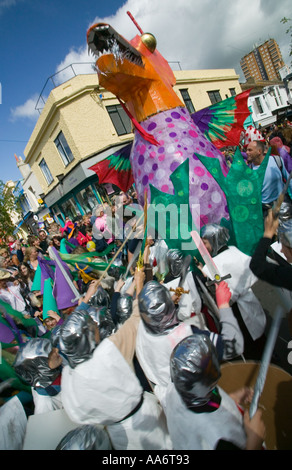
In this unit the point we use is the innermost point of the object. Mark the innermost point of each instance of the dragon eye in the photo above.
(149, 41)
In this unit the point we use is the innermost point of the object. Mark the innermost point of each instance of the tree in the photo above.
(8, 206)
(288, 31)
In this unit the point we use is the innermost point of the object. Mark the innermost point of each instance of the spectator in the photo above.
(273, 183)
(43, 237)
(31, 257)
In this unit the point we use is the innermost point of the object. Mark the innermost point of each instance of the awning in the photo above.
(18, 227)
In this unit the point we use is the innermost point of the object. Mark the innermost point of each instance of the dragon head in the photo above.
(134, 71)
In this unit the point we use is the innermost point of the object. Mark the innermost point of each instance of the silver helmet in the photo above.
(216, 235)
(87, 437)
(195, 369)
(285, 232)
(157, 310)
(77, 339)
(175, 260)
(31, 363)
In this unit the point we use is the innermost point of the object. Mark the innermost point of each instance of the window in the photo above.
(120, 119)
(259, 105)
(187, 101)
(24, 204)
(70, 208)
(87, 200)
(232, 91)
(214, 96)
(46, 172)
(64, 149)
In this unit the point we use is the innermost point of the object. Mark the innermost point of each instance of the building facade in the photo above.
(269, 106)
(82, 123)
(263, 62)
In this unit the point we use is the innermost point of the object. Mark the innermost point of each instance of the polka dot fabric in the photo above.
(179, 139)
(252, 134)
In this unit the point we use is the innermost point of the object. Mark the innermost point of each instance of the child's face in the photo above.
(24, 269)
(207, 244)
(50, 323)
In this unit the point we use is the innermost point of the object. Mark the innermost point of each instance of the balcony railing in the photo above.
(62, 76)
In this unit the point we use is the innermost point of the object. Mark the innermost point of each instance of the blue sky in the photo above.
(40, 37)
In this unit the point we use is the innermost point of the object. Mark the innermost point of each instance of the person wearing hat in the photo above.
(50, 313)
(160, 330)
(31, 364)
(189, 303)
(200, 414)
(70, 231)
(99, 385)
(245, 305)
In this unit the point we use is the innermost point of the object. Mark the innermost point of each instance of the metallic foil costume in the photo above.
(77, 337)
(31, 363)
(156, 307)
(195, 369)
(216, 235)
(87, 437)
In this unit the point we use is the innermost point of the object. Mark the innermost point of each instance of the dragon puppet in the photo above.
(165, 134)
(142, 79)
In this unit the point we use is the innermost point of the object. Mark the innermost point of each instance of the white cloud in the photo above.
(199, 34)
(26, 110)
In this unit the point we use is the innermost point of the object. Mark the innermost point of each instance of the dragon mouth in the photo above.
(103, 39)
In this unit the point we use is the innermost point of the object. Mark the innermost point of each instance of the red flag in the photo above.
(116, 169)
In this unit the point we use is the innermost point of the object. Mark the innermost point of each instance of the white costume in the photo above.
(105, 390)
(154, 351)
(46, 403)
(235, 262)
(203, 431)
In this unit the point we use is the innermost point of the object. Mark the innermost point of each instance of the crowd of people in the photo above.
(135, 361)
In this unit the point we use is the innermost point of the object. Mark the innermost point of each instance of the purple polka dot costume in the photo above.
(179, 139)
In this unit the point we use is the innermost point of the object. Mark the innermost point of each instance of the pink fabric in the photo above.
(276, 141)
(100, 223)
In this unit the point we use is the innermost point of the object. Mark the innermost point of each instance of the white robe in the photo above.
(154, 351)
(46, 403)
(235, 262)
(13, 425)
(103, 390)
(202, 431)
